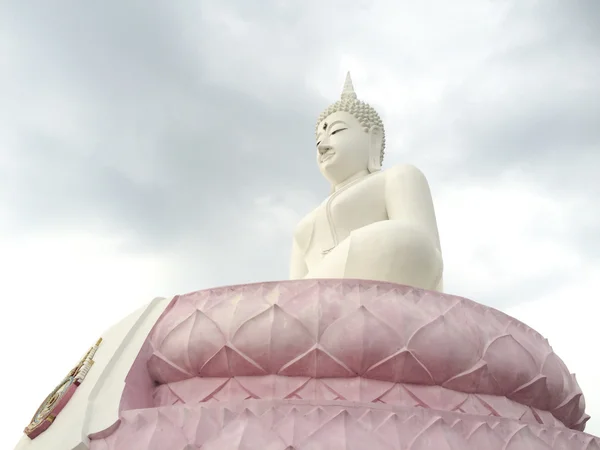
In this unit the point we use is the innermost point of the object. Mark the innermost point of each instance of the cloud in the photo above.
(161, 137)
(516, 245)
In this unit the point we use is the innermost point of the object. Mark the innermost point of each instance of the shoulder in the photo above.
(405, 173)
(407, 170)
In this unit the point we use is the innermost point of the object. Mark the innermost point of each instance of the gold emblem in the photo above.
(60, 396)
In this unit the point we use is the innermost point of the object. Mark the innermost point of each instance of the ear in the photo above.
(375, 143)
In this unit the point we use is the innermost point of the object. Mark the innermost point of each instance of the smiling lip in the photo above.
(327, 156)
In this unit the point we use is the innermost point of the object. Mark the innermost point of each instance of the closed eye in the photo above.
(337, 131)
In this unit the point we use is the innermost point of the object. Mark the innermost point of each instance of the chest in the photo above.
(346, 210)
(353, 208)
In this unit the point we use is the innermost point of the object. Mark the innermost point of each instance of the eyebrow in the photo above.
(331, 125)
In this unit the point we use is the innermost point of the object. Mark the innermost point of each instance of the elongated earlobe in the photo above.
(375, 142)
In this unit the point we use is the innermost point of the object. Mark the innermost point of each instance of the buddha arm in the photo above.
(408, 200)
(298, 267)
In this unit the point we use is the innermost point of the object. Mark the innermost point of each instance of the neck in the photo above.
(350, 179)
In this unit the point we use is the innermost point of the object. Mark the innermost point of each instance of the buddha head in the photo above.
(350, 138)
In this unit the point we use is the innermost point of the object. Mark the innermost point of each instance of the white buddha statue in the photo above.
(375, 225)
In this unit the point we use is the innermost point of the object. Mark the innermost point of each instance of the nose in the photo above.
(324, 146)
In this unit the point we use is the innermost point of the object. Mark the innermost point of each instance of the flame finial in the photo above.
(348, 90)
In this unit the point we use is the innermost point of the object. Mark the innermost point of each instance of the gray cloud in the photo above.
(532, 100)
(166, 123)
(166, 148)
(531, 105)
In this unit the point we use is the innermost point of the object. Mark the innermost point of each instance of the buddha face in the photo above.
(343, 147)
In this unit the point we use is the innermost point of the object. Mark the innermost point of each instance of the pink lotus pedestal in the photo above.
(344, 364)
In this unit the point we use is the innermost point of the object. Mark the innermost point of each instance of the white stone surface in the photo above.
(95, 404)
(375, 225)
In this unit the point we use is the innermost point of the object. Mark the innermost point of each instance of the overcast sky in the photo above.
(150, 148)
